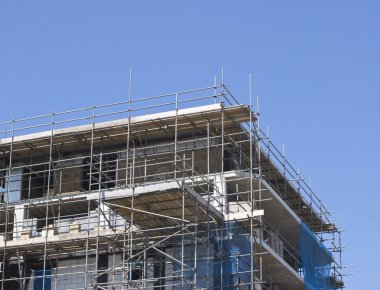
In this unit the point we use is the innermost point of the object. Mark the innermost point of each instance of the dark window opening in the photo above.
(11, 270)
(102, 266)
(2, 185)
(227, 162)
(230, 161)
(136, 274)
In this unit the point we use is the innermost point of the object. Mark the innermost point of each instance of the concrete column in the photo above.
(50, 231)
(18, 225)
(220, 194)
(104, 214)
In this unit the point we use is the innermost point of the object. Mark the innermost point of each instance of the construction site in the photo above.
(176, 191)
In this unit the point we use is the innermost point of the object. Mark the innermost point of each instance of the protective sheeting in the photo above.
(198, 263)
(222, 262)
(39, 280)
(316, 261)
(232, 269)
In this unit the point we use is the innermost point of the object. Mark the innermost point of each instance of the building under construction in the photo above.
(177, 191)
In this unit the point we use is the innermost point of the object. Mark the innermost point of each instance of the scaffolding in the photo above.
(176, 191)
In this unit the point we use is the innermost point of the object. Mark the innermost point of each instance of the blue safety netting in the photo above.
(316, 261)
(39, 279)
(223, 262)
(232, 258)
(198, 264)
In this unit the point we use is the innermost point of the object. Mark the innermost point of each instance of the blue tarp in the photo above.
(228, 264)
(204, 266)
(38, 281)
(316, 261)
(232, 258)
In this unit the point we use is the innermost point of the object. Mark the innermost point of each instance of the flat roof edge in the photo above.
(115, 123)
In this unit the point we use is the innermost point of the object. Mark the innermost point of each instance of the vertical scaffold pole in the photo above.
(208, 202)
(222, 153)
(129, 126)
(215, 90)
(89, 202)
(47, 200)
(196, 245)
(251, 197)
(260, 178)
(183, 226)
(221, 179)
(98, 214)
(132, 215)
(175, 136)
(7, 201)
(127, 165)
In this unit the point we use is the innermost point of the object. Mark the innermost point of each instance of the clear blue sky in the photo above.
(316, 68)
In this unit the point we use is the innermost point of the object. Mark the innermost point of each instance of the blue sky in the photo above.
(316, 68)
